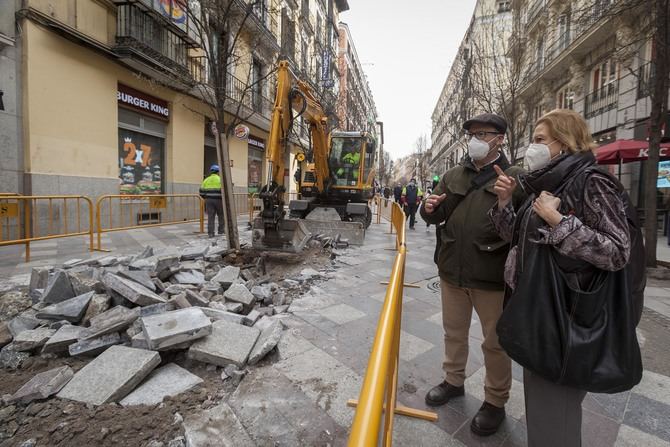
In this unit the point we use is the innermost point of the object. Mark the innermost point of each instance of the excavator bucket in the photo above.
(289, 236)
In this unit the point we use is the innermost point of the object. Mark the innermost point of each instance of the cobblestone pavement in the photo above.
(323, 355)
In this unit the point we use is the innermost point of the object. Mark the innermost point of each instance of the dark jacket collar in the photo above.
(501, 161)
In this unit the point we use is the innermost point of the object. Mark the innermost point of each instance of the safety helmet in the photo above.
(214, 168)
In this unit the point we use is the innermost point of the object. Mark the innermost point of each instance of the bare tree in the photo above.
(229, 33)
(421, 159)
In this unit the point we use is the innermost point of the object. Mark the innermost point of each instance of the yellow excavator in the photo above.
(336, 181)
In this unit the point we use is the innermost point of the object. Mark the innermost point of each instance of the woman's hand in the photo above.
(546, 206)
(504, 187)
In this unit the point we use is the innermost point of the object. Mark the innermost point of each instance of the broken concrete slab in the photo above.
(156, 309)
(168, 380)
(175, 289)
(199, 265)
(139, 276)
(179, 326)
(110, 376)
(5, 335)
(216, 315)
(32, 339)
(116, 319)
(62, 339)
(266, 342)
(98, 304)
(235, 308)
(213, 287)
(43, 385)
(139, 341)
(59, 289)
(148, 264)
(130, 290)
(71, 310)
(23, 322)
(164, 262)
(194, 252)
(261, 293)
(228, 343)
(11, 358)
(239, 294)
(180, 301)
(108, 261)
(39, 278)
(190, 277)
(94, 346)
(196, 299)
(227, 275)
(217, 423)
(253, 316)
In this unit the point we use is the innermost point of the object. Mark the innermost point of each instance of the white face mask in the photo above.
(478, 149)
(537, 156)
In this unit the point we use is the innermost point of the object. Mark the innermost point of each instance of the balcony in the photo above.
(560, 44)
(149, 44)
(645, 76)
(535, 11)
(602, 100)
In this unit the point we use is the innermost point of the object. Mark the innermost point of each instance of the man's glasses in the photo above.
(479, 134)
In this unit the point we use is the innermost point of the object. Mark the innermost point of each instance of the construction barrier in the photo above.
(24, 219)
(116, 212)
(379, 391)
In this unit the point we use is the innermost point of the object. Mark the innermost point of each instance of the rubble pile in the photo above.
(124, 312)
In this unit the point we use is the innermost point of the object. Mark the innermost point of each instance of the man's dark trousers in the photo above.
(410, 211)
(214, 208)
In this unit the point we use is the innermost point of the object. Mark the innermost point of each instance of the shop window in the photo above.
(141, 155)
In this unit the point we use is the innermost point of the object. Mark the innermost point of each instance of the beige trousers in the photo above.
(457, 305)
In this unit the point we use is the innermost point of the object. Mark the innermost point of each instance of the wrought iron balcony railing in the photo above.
(601, 100)
(645, 77)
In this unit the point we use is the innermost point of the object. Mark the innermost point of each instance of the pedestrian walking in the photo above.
(571, 238)
(411, 196)
(397, 192)
(470, 257)
(210, 190)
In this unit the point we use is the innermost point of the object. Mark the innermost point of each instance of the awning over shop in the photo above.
(626, 151)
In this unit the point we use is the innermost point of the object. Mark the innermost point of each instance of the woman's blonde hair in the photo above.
(568, 127)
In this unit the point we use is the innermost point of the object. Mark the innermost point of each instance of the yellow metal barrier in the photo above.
(24, 219)
(125, 212)
(378, 393)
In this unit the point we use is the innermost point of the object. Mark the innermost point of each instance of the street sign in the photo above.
(157, 202)
(9, 210)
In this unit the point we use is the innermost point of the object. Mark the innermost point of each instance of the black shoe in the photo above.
(440, 394)
(487, 420)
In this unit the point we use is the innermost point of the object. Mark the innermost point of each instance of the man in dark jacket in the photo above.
(471, 258)
(397, 192)
(210, 190)
(411, 197)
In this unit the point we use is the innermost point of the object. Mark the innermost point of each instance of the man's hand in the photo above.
(504, 187)
(433, 201)
(546, 206)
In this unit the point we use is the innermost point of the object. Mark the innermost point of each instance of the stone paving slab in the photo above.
(111, 375)
(171, 328)
(228, 343)
(217, 426)
(63, 338)
(72, 309)
(168, 380)
(43, 385)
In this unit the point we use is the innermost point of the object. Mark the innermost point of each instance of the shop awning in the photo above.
(625, 151)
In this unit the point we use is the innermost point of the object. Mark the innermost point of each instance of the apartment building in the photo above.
(587, 56)
(356, 107)
(103, 97)
(474, 84)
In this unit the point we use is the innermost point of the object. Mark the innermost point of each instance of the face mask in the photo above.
(537, 156)
(478, 149)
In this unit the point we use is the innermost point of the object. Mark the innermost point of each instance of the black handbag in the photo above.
(574, 333)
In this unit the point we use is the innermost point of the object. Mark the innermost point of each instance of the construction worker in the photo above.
(352, 158)
(210, 190)
(411, 197)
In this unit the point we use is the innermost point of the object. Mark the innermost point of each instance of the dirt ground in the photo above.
(57, 422)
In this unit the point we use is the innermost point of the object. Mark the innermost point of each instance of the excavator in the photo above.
(337, 175)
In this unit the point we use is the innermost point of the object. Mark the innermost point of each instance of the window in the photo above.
(604, 77)
(303, 54)
(257, 84)
(565, 98)
(504, 6)
(539, 53)
(319, 30)
(563, 31)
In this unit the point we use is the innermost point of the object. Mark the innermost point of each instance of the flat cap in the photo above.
(487, 118)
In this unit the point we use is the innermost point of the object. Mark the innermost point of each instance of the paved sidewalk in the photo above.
(323, 355)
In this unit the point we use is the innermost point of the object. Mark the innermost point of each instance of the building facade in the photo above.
(589, 56)
(356, 108)
(104, 96)
(475, 81)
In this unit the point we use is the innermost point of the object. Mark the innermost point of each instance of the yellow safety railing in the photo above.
(379, 391)
(116, 212)
(24, 219)
(255, 204)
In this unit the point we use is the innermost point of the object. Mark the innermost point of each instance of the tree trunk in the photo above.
(229, 209)
(659, 102)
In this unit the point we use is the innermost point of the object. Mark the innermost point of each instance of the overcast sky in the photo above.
(406, 51)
